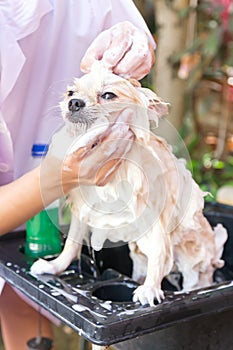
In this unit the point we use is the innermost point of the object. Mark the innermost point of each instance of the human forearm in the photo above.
(28, 195)
(20, 200)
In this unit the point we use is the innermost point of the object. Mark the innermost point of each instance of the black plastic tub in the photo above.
(97, 303)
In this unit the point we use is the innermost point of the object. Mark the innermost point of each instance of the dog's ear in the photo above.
(134, 82)
(157, 107)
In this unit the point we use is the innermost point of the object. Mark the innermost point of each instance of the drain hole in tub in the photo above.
(117, 292)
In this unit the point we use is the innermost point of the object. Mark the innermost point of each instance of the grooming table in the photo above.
(97, 304)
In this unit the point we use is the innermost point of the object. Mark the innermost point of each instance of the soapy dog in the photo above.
(151, 202)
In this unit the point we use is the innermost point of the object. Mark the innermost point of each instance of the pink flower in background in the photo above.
(227, 8)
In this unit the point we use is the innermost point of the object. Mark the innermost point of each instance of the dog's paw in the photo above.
(42, 266)
(147, 294)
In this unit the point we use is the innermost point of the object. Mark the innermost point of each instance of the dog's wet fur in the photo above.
(158, 207)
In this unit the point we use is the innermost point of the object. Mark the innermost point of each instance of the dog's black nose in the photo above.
(75, 104)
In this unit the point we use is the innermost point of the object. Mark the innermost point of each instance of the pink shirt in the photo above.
(42, 43)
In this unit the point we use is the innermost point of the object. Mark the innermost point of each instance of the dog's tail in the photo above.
(220, 239)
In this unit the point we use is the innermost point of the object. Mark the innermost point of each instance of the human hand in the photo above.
(95, 163)
(124, 49)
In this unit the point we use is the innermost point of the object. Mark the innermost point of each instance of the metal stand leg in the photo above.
(39, 343)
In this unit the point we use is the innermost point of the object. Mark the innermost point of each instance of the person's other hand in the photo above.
(91, 164)
(124, 49)
(96, 165)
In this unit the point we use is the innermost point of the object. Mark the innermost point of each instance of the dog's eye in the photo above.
(108, 95)
(70, 93)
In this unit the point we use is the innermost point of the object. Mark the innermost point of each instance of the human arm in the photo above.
(20, 200)
(54, 178)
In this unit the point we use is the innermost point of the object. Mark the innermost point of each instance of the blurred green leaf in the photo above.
(218, 164)
(231, 24)
(185, 12)
(213, 42)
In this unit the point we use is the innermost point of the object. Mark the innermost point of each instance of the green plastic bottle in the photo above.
(42, 231)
